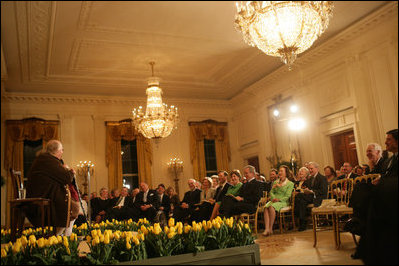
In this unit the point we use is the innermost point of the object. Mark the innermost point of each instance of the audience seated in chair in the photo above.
(99, 205)
(203, 209)
(366, 207)
(248, 197)
(147, 201)
(314, 191)
(223, 188)
(164, 205)
(330, 174)
(279, 198)
(174, 199)
(184, 211)
(120, 210)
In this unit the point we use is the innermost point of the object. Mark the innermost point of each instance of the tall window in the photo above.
(129, 164)
(210, 157)
(31, 147)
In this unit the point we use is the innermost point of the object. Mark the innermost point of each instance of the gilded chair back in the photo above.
(341, 190)
(366, 178)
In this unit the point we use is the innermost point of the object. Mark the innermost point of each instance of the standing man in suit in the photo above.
(147, 201)
(315, 189)
(187, 205)
(248, 197)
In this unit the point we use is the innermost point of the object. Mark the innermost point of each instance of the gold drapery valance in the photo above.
(16, 132)
(116, 131)
(208, 129)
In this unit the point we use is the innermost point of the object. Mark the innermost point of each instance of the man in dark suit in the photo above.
(376, 161)
(248, 197)
(133, 210)
(223, 186)
(187, 205)
(347, 169)
(147, 201)
(164, 200)
(364, 199)
(120, 209)
(315, 190)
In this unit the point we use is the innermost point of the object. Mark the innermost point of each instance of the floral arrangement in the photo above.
(112, 242)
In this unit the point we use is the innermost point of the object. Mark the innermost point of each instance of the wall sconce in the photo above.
(175, 165)
(85, 169)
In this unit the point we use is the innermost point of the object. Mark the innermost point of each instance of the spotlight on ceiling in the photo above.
(276, 113)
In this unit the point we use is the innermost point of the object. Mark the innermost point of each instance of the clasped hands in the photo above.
(145, 207)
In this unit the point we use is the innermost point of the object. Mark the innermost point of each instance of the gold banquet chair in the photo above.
(286, 212)
(341, 190)
(253, 217)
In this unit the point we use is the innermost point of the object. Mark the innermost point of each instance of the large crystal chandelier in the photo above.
(159, 120)
(283, 28)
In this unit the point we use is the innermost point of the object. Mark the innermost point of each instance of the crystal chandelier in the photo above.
(159, 120)
(282, 28)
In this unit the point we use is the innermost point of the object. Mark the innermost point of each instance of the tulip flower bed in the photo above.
(113, 242)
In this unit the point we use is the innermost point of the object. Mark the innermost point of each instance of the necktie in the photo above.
(119, 201)
(314, 177)
(145, 196)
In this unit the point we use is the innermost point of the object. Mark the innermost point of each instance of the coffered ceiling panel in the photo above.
(104, 47)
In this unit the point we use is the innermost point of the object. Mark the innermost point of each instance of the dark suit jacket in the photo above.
(192, 197)
(379, 167)
(251, 192)
(352, 175)
(320, 188)
(390, 169)
(220, 193)
(47, 179)
(165, 203)
(152, 198)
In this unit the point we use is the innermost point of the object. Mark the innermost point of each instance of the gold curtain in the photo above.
(16, 132)
(208, 129)
(116, 131)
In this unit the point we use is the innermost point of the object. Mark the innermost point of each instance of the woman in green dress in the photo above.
(232, 191)
(279, 197)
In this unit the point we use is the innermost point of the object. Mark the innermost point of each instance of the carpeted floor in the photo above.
(296, 248)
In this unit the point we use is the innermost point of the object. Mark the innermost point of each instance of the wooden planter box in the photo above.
(245, 255)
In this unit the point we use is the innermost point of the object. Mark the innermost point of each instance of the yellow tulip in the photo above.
(17, 247)
(179, 230)
(116, 235)
(24, 241)
(128, 246)
(172, 230)
(32, 240)
(96, 240)
(217, 225)
(59, 238)
(136, 241)
(66, 242)
(101, 238)
(171, 222)
(209, 224)
(68, 251)
(166, 229)
(3, 253)
(171, 234)
(187, 229)
(106, 239)
(40, 242)
(88, 238)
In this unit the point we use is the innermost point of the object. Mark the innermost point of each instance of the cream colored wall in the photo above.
(82, 131)
(349, 83)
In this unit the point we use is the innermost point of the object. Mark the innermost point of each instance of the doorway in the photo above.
(344, 149)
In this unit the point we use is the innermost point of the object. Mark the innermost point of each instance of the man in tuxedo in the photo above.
(223, 186)
(147, 201)
(315, 189)
(248, 197)
(119, 210)
(187, 205)
(376, 161)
